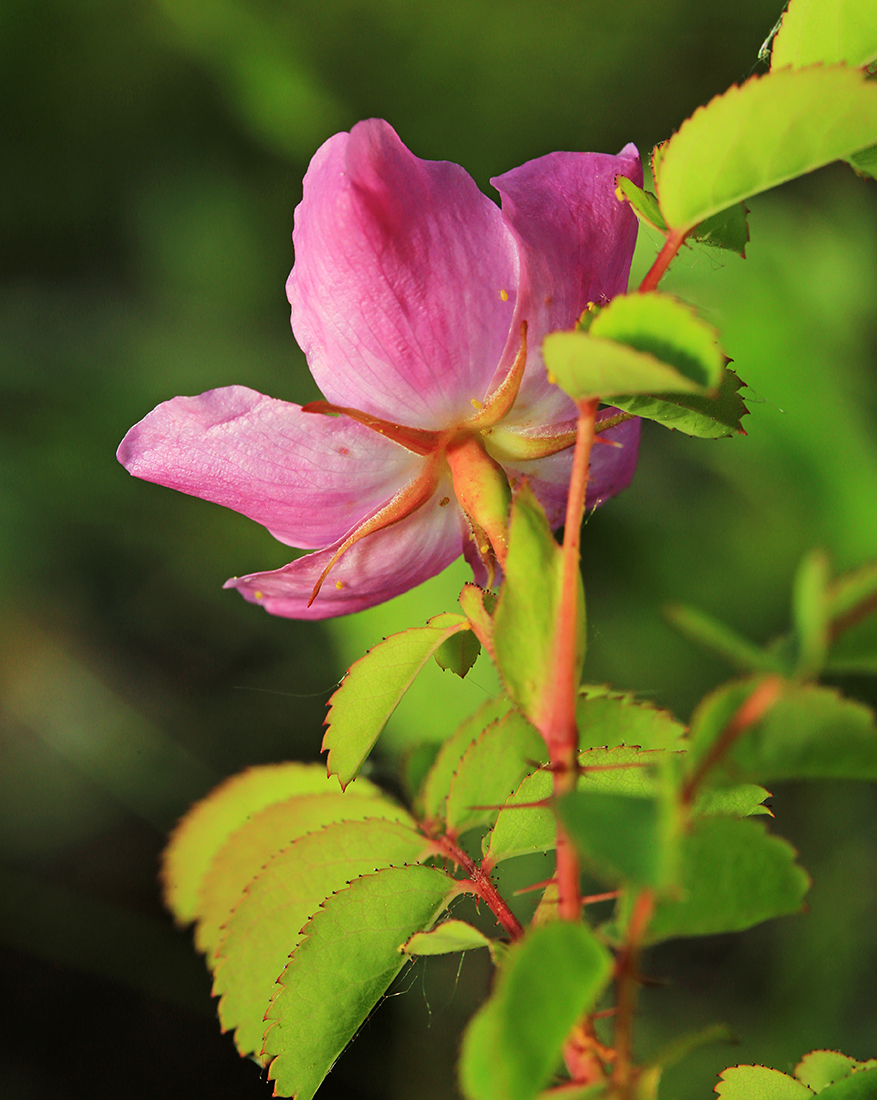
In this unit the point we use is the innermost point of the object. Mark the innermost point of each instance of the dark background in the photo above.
(152, 154)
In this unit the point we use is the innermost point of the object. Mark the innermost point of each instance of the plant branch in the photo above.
(750, 711)
(478, 877)
(659, 268)
(626, 981)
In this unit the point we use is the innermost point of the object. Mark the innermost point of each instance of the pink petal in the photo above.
(577, 241)
(308, 478)
(611, 471)
(403, 289)
(375, 569)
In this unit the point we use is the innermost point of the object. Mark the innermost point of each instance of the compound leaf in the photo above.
(349, 955)
(265, 925)
(759, 1083)
(210, 822)
(705, 416)
(250, 847)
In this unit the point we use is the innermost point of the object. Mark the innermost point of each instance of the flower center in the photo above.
(473, 451)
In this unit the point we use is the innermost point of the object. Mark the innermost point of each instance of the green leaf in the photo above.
(620, 838)
(446, 939)
(264, 927)
(643, 203)
(810, 612)
(733, 874)
(810, 732)
(250, 847)
(821, 1068)
(665, 328)
(458, 653)
(438, 782)
(707, 417)
(607, 718)
(528, 608)
(724, 641)
(478, 605)
(744, 800)
(210, 822)
(853, 612)
(865, 162)
(861, 1085)
(759, 1083)
(521, 829)
(770, 129)
(372, 689)
(491, 768)
(344, 964)
(728, 229)
(814, 31)
(511, 1052)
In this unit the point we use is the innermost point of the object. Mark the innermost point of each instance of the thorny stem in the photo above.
(626, 981)
(559, 729)
(479, 879)
(656, 272)
(752, 710)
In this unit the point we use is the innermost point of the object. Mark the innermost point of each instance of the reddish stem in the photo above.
(626, 980)
(478, 877)
(658, 269)
(750, 711)
(559, 727)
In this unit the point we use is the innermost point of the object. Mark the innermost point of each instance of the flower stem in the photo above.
(560, 730)
(658, 269)
(626, 980)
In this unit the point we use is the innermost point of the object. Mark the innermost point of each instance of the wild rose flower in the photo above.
(421, 308)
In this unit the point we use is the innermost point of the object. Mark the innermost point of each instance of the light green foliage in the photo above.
(265, 925)
(810, 613)
(528, 608)
(810, 732)
(438, 781)
(251, 846)
(732, 875)
(725, 641)
(448, 937)
(853, 633)
(728, 229)
(489, 771)
(607, 718)
(664, 327)
(814, 31)
(458, 653)
(705, 416)
(586, 367)
(210, 822)
(348, 957)
(760, 1083)
(821, 1072)
(865, 162)
(821, 1068)
(511, 1051)
(769, 130)
(371, 691)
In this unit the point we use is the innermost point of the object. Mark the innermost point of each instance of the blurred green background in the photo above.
(152, 154)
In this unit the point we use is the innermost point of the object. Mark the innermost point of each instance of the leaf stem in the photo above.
(659, 268)
(478, 877)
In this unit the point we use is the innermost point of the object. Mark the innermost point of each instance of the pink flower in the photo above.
(421, 308)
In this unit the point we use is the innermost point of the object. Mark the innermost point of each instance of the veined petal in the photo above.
(404, 285)
(612, 469)
(308, 478)
(577, 241)
(375, 569)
